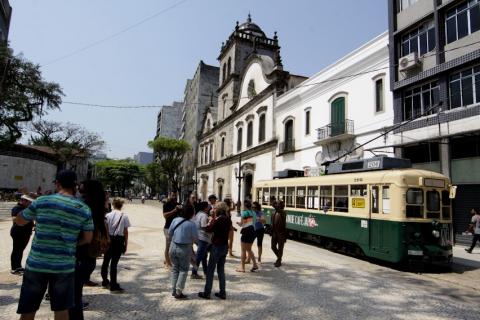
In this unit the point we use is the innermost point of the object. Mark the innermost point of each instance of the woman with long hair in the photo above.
(93, 194)
(248, 236)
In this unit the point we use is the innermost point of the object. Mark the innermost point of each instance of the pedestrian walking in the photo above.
(212, 199)
(248, 236)
(183, 233)
(259, 227)
(117, 224)
(92, 194)
(279, 231)
(20, 235)
(204, 240)
(51, 261)
(476, 226)
(220, 225)
(231, 233)
(170, 211)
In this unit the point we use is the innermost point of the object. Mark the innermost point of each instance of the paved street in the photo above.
(313, 284)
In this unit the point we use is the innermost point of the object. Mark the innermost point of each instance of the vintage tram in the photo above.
(381, 207)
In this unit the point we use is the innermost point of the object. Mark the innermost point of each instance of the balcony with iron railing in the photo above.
(287, 146)
(335, 132)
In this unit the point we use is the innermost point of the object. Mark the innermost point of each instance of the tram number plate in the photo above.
(358, 203)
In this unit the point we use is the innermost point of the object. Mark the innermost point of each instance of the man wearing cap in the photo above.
(20, 235)
(62, 223)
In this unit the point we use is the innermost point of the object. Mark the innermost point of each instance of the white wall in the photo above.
(16, 172)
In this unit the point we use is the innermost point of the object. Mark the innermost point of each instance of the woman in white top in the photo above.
(117, 223)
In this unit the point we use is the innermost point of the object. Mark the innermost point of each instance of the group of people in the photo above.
(208, 226)
(73, 227)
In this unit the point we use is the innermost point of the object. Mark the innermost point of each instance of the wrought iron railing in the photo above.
(335, 129)
(287, 146)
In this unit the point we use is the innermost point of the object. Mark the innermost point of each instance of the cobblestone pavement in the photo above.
(312, 284)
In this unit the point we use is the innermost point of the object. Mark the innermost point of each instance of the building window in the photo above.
(289, 141)
(261, 128)
(462, 20)
(420, 40)
(249, 134)
(465, 88)
(224, 72)
(208, 125)
(229, 67)
(307, 122)
(404, 4)
(206, 155)
(222, 148)
(251, 92)
(201, 155)
(420, 100)
(239, 139)
(379, 98)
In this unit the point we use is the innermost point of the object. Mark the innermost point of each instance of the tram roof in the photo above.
(379, 176)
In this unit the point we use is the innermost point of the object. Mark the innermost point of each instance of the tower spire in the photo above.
(249, 19)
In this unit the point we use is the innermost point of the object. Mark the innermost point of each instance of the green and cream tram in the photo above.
(390, 214)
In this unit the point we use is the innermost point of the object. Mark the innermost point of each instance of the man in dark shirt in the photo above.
(220, 226)
(279, 231)
(20, 235)
(170, 212)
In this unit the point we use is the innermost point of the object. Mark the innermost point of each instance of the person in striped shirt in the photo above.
(62, 223)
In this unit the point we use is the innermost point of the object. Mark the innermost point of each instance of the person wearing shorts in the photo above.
(248, 236)
(259, 227)
(50, 268)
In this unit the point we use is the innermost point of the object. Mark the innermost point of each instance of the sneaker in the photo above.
(255, 268)
(117, 289)
(90, 283)
(277, 264)
(105, 284)
(196, 276)
(221, 296)
(18, 271)
(203, 295)
(180, 296)
(468, 250)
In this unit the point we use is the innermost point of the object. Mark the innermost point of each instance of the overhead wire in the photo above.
(116, 34)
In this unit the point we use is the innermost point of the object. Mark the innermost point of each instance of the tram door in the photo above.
(375, 228)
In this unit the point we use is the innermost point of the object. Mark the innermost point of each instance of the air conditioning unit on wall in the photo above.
(408, 62)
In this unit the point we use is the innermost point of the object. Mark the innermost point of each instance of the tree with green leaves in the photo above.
(67, 140)
(155, 179)
(118, 175)
(24, 94)
(170, 153)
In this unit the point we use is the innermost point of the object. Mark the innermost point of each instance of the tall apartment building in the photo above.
(169, 120)
(435, 79)
(5, 16)
(200, 94)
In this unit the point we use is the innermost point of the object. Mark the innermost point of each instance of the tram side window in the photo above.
(340, 198)
(281, 194)
(414, 203)
(326, 198)
(433, 204)
(312, 198)
(273, 195)
(266, 196)
(375, 202)
(386, 199)
(446, 205)
(359, 190)
(300, 197)
(289, 197)
(259, 194)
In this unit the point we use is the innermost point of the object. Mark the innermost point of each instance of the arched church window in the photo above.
(239, 139)
(224, 72)
(229, 67)
(222, 148)
(249, 134)
(261, 128)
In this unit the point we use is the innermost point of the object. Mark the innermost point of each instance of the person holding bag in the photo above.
(118, 225)
(183, 233)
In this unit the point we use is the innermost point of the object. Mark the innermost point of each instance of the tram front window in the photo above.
(414, 203)
(433, 204)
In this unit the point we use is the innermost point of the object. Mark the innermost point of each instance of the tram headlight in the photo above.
(436, 233)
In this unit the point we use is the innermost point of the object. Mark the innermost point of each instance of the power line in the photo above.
(114, 35)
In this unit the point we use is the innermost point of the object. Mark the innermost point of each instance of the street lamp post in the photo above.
(239, 176)
(195, 181)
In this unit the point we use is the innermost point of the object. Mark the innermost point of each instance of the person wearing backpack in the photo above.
(248, 236)
(93, 195)
(118, 224)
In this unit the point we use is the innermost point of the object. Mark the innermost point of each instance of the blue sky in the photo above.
(149, 64)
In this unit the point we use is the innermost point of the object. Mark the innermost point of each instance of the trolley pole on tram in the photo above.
(239, 176)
